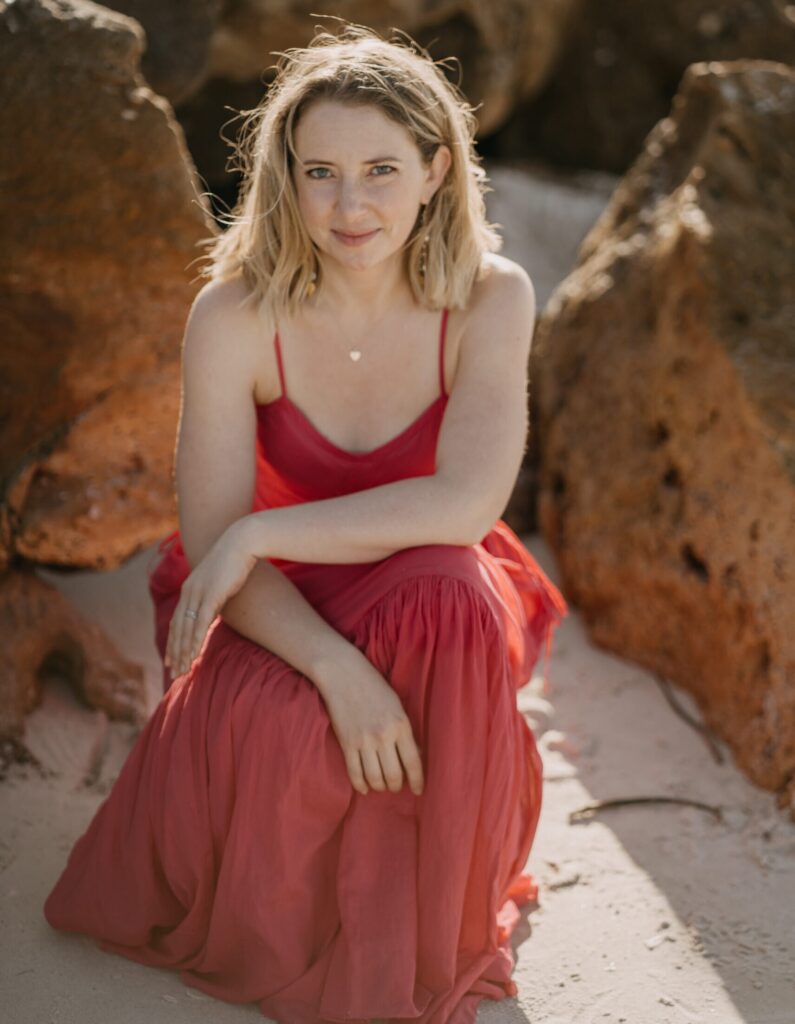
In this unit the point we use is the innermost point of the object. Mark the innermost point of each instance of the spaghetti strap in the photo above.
(442, 335)
(278, 348)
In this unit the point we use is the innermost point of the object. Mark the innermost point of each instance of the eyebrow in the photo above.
(378, 160)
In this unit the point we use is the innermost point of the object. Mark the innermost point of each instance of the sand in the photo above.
(653, 914)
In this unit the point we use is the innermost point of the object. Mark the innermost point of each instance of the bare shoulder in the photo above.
(222, 302)
(220, 335)
(222, 318)
(502, 283)
(503, 295)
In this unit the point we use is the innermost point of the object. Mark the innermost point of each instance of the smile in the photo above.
(359, 239)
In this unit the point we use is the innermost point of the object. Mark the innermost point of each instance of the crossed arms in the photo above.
(481, 444)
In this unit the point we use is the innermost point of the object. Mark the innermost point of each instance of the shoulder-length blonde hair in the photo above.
(265, 238)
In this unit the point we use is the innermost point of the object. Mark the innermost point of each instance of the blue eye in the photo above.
(378, 167)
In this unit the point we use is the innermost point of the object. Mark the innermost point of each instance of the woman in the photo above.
(341, 604)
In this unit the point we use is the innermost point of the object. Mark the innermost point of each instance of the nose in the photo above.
(350, 200)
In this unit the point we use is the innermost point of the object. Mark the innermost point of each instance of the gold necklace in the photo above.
(354, 354)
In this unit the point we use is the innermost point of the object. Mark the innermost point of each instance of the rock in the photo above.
(88, 503)
(666, 412)
(41, 633)
(507, 49)
(617, 73)
(501, 52)
(175, 61)
(101, 213)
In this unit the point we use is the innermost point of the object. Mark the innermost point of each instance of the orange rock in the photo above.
(101, 215)
(41, 632)
(665, 366)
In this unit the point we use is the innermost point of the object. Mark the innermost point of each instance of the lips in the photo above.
(355, 235)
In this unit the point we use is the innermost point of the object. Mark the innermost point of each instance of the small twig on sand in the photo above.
(703, 730)
(588, 810)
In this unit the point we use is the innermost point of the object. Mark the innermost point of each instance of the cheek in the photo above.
(395, 205)
(312, 203)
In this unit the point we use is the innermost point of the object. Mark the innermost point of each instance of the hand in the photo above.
(217, 577)
(372, 727)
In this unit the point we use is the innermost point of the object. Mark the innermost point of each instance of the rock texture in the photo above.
(506, 49)
(665, 366)
(107, 485)
(175, 61)
(620, 67)
(41, 633)
(502, 52)
(101, 214)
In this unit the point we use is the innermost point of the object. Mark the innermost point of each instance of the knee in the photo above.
(447, 588)
(453, 561)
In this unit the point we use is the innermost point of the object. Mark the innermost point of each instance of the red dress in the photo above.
(233, 848)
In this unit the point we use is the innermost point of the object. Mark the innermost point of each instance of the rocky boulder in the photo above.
(102, 214)
(621, 66)
(665, 369)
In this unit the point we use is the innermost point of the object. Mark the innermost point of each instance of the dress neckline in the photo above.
(284, 399)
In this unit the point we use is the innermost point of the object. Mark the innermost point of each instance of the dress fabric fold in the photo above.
(232, 847)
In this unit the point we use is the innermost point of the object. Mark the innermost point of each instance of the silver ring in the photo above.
(191, 614)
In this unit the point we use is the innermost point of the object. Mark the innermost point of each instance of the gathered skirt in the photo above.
(233, 849)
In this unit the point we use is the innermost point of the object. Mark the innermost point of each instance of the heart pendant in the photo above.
(355, 355)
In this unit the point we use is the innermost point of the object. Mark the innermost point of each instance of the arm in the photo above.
(481, 445)
(215, 466)
(270, 610)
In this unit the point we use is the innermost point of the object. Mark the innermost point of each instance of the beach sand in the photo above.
(653, 914)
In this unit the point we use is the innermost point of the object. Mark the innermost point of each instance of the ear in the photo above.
(437, 169)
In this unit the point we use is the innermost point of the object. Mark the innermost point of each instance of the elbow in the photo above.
(473, 516)
(483, 518)
(480, 521)
(479, 530)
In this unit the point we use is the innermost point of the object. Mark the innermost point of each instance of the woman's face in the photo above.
(360, 174)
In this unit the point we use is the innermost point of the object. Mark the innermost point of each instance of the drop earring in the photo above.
(423, 263)
(311, 288)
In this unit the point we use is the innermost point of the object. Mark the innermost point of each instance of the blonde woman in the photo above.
(330, 810)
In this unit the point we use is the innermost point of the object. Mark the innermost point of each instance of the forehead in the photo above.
(348, 129)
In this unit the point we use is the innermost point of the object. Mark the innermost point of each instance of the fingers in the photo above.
(391, 768)
(174, 629)
(186, 632)
(179, 633)
(382, 768)
(372, 767)
(200, 627)
(412, 761)
(353, 762)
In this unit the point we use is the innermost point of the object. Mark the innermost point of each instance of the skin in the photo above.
(364, 300)
(346, 193)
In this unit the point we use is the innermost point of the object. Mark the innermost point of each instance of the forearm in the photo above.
(270, 610)
(367, 525)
